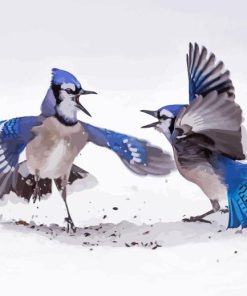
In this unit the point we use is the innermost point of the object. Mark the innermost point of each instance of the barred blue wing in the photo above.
(205, 75)
(14, 136)
(138, 155)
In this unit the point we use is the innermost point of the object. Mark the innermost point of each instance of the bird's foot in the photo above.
(36, 194)
(70, 225)
(196, 219)
(224, 211)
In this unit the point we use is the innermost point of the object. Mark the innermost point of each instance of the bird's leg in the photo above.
(36, 193)
(200, 218)
(70, 223)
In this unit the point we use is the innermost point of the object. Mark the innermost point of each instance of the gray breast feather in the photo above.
(193, 150)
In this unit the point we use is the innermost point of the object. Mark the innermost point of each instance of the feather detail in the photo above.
(138, 155)
(216, 117)
(205, 75)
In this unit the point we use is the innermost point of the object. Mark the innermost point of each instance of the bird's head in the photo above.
(166, 118)
(67, 91)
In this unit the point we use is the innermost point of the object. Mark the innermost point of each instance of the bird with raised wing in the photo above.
(206, 136)
(53, 140)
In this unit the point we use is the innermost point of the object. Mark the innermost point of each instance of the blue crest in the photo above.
(174, 109)
(61, 76)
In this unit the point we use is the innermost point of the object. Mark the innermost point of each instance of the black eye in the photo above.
(162, 116)
(69, 91)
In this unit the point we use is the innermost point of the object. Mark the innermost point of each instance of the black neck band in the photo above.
(63, 121)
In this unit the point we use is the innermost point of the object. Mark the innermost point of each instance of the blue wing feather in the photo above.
(205, 75)
(126, 147)
(139, 156)
(14, 136)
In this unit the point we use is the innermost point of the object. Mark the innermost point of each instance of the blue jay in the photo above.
(54, 138)
(206, 136)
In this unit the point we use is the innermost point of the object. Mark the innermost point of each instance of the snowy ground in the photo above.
(171, 258)
(128, 242)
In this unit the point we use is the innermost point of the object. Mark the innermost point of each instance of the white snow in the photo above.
(192, 259)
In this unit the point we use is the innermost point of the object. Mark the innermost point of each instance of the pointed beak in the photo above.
(87, 92)
(152, 113)
(79, 106)
(154, 124)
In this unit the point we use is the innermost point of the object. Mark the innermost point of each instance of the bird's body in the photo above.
(54, 148)
(204, 175)
(55, 138)
(195, 165)
(206, 136)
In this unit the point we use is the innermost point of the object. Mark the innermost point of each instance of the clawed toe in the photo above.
(224, 211)
(196, 219)
(70, 225)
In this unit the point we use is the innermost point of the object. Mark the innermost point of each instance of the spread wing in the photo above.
(14, 136)
(138, 155)
(216, 121)
(205, 75)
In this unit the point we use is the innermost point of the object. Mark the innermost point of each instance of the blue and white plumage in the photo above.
(138, 155)
(54, 138)
(60, 76)
(14, 136)
(234, 175)
(126, 147)
(205, 75)
(206, 136)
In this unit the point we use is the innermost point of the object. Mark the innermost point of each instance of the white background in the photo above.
(133, 54)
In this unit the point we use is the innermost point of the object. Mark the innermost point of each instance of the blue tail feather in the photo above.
(235, 175)
(238, 206)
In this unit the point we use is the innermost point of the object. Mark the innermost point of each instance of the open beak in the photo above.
(154, 114)
(87, 92)
(79, 105)
(154, 124)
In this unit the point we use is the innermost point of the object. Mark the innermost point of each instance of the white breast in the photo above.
(54, 148)
(163, 127)
(54, 161)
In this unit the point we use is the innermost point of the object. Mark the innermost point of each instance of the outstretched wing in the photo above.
(138, 155)
(205, 75)
(213, 122)
(14, 135)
